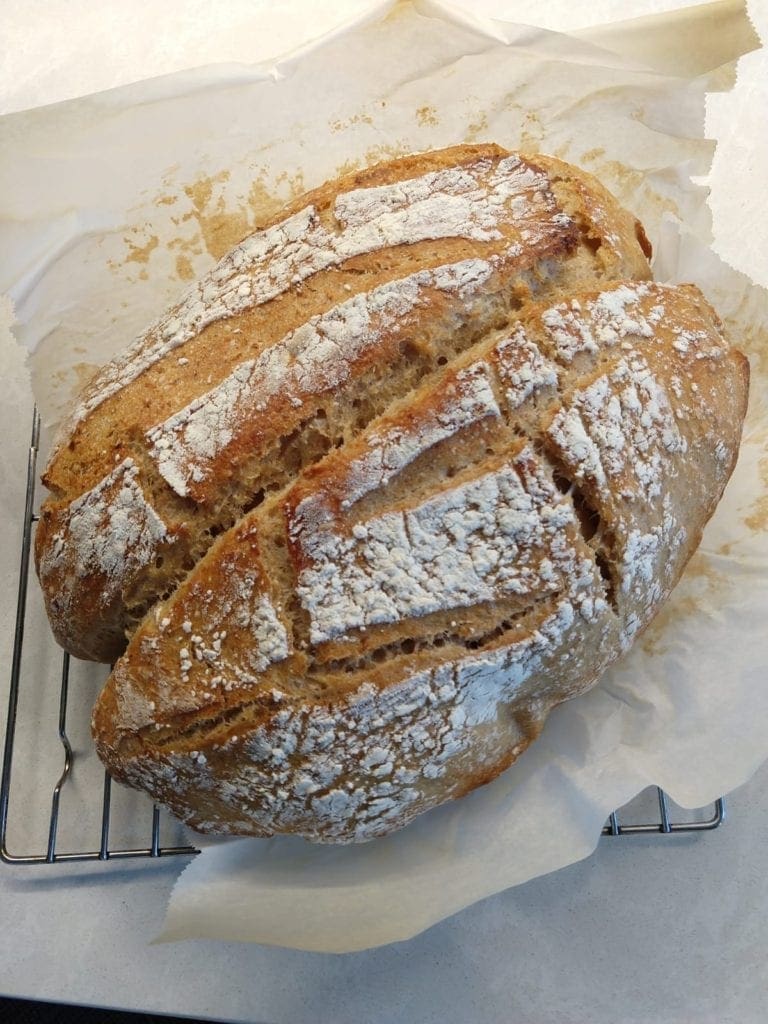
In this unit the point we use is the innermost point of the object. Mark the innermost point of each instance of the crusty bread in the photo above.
(297, 339)
(396, 535)
(393, 628)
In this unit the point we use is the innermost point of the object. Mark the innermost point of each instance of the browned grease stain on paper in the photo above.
(477, 128)
(625, 181)
(347, 167)
(139, 249)
(427, 116)
(72, 379)
(701, 567)
(220, 228)
(712, 580)
(531, 132)
(386, 151)
(83, 372)
(264, 201)
(217, 222)
(757, 520)
(184, 269)
(372, 156)
(341, 124)
(140, 253)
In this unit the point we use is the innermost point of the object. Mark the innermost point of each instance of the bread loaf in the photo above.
(297, 339)
(435, 451)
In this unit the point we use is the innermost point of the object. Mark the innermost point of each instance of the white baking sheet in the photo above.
(110, 203)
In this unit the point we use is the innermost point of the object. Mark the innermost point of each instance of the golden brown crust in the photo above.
(395, 657)
(409, 468)
(538, 227)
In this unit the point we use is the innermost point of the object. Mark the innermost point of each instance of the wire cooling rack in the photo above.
(95, 801)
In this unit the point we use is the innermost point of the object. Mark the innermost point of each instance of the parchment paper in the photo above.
(112, 202)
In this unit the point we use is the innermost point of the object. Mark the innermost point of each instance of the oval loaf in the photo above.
(299, 337)
(410, 467)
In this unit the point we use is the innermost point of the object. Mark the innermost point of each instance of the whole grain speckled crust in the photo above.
(299, 337)
(480, 553)
(411, 467)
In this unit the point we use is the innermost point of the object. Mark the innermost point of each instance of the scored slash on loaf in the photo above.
(435, 452)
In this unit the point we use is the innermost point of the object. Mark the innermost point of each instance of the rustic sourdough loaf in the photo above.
(299, 337)
(411, 466)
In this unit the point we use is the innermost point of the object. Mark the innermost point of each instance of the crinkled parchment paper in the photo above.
(113, 202)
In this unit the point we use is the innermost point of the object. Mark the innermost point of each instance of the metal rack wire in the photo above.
(615, 826)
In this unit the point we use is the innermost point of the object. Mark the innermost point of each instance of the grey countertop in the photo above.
(649, 929)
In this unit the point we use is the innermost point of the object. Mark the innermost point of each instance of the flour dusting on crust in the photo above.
(111, 530)
(390, 629)
(313, 359)
(295, 770)
(522, 368)
(503, 533)
(620, 426)
(475, 202)
(466, 400)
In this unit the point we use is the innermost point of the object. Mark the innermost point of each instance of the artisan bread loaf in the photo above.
(297, 339)
(391, 629)
(362, 554)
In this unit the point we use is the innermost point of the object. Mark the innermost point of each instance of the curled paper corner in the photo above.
(733, 116)
(529, 38)
(716, 34)
(757, 14)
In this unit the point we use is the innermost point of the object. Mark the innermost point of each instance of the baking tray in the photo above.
(89, 814)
